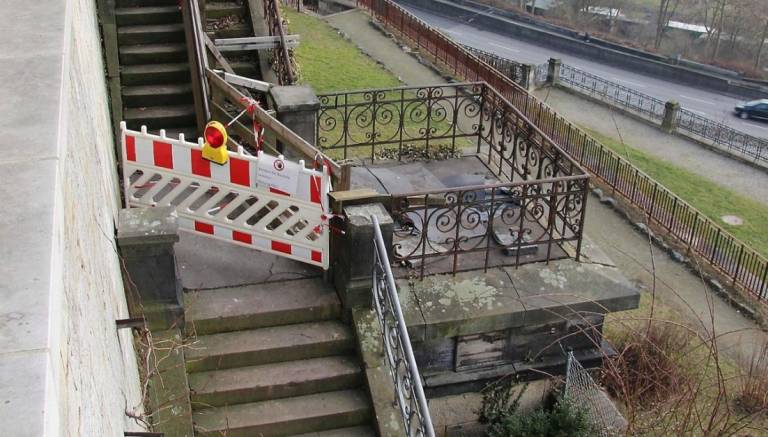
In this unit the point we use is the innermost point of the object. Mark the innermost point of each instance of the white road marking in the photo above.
(637, 84)
(757, 126)
(707, 102)
(503, 47)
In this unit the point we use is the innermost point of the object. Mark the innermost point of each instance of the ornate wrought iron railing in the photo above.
(517, 72)
(541, 74)
(360, 123)
(282, 61)
(686, 226)
(538, 203)
(722, 135)
(611, 92)
(409, 393)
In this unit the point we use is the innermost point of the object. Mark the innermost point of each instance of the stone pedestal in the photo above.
(353, 253)
(296, 108)
(671, 109)
(146, 237)
(553, 73)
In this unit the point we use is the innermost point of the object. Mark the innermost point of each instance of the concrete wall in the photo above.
(600, 51)
(64, 368)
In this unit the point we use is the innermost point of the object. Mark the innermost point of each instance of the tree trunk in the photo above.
(719, 29)
(760, 48)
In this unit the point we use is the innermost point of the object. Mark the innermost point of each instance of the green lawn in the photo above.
(708, 197)
(330, 63)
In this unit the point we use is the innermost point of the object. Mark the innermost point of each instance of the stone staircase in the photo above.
(154, 70)
(231, 19)
(274, 359)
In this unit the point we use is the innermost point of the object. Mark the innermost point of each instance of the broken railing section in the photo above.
(282, 61)
(409, 393)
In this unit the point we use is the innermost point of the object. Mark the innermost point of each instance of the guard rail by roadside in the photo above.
(409, 393)
(673, 118)
(732, 259)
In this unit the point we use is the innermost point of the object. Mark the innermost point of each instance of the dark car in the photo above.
(753, 109)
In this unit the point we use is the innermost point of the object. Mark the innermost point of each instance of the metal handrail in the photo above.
(403, 368)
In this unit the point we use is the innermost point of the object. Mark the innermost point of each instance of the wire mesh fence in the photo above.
(583, 392)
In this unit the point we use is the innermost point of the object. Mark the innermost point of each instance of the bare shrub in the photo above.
(751, 395)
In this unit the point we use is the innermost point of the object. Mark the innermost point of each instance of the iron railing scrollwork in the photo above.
(611, 92)
(743, 265)
(282, 61)
(409, 393)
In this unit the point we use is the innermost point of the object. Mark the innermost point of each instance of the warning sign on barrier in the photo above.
(278, 174)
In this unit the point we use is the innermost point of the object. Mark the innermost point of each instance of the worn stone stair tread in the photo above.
(223, 9)
(260, 305)
(155, 68)
(274, 380)
(356, 431)
(151, 28)
(159, 112)
(158, 48)
(301, 414)
(154, 90)
(147, 14)
(269, 345)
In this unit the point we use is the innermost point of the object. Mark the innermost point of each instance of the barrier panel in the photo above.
(261, 202)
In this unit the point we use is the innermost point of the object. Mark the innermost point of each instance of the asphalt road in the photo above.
(712, 105)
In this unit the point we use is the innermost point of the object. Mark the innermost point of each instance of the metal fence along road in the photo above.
(610, 92)
(741, 264)
(686, 122)
(519, 73)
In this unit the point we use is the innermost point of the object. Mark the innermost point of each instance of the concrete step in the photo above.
(156, 95)
(269, 345)
(295, 415)
(260, 305)
(152, 53)
(273, 381)
(215, 10)
(160, 117)
(148, 15)
(154, 74)
(357, 431)
(150, 34)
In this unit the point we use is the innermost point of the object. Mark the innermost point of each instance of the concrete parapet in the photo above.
(146, 238)
(296, 107)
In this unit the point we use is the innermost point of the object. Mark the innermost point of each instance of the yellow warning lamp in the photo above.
(215, 147)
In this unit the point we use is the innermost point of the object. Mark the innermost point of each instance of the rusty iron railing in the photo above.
(538, 205)
(282, 61)
(518, 72)
(735, 260)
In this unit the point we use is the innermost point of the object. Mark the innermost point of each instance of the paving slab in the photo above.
(207, 263)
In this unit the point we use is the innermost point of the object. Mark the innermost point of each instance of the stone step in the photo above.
(215, 10)
(278, 417)
(357, 431)
(160, 117)
(260, 305)
(269, 345)
(150, 34)
(273, 381)
(239, 30)
(152, 53)
(153, 74)
(148, 15)
(146, 3)
(247, 69)
(156, 95)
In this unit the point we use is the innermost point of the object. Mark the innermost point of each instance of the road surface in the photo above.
(712, 105)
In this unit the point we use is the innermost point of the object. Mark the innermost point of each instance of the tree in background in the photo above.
(667, 9)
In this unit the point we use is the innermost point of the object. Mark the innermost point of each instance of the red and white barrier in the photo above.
(263, 202)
